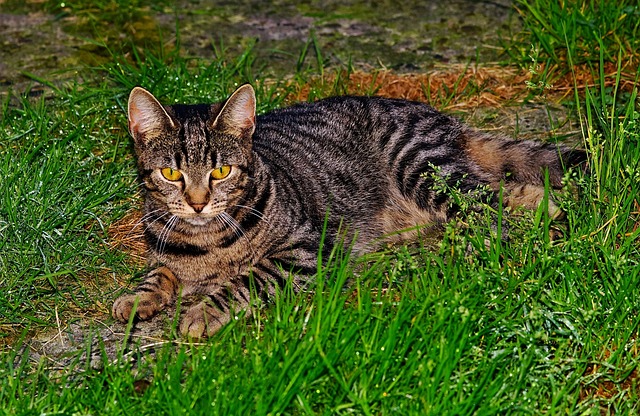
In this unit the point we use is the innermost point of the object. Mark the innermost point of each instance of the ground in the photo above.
(449, 41)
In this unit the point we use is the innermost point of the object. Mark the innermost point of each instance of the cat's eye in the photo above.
(171, 174)
(221, 172)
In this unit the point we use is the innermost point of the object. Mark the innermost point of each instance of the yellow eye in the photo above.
(171, 174)
(221, 172)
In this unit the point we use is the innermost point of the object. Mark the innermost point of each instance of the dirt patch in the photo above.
(32, 43)
(406, 36)
(57, 42)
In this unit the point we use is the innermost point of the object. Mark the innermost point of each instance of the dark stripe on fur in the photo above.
(173, 248)
(292, 267)
(250, 219)
(183, 144)
(218, 303)
(273, 273)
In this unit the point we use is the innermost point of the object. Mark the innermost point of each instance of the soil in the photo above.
(56, 42)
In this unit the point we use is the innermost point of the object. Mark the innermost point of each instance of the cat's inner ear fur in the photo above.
(238, 115)
(147, 117)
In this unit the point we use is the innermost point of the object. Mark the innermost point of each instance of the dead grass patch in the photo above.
(451, 87)
(458, 87)
(601, 383)
(127, 234)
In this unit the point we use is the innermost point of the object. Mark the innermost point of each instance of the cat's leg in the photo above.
(214, 311)
(158, 289)
(208, 316)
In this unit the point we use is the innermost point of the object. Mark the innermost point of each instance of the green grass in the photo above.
(559, 31)
(524, 326)
(65, 177)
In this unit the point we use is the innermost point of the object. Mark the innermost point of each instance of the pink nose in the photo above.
(198, 207)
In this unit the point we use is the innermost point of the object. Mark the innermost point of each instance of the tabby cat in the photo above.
(235, 202)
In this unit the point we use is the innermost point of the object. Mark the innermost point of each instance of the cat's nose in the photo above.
(198, 207)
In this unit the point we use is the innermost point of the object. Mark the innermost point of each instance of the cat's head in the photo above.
(193, 159)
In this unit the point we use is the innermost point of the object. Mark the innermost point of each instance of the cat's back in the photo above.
(358, 156)
(326, 150)
(334, 124)
(351, 129)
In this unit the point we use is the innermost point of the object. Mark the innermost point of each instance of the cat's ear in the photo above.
(238, 115)
(147, 117)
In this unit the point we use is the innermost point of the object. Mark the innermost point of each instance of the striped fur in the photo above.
(366, 165)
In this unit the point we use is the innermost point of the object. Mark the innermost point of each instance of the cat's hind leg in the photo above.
(530, 197)
(157, 290)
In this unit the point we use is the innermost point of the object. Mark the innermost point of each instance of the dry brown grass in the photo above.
(458, 87)
(127, 234)
(606, 384)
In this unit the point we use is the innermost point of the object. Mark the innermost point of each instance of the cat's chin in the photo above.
(197, 221)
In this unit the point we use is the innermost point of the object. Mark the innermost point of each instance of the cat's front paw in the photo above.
(202, 320)
(149, 304)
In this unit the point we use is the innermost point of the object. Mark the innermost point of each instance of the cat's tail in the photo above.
(523, 161)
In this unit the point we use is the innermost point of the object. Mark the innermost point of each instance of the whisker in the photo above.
(169, 230)
(220, 220)
(254, 212)
(141, 222)
(228, 221)
(148, 215)
(164, 234)
(237, 229)
(154, 221)
(161, 236)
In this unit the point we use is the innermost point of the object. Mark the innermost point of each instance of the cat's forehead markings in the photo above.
(194, 142)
